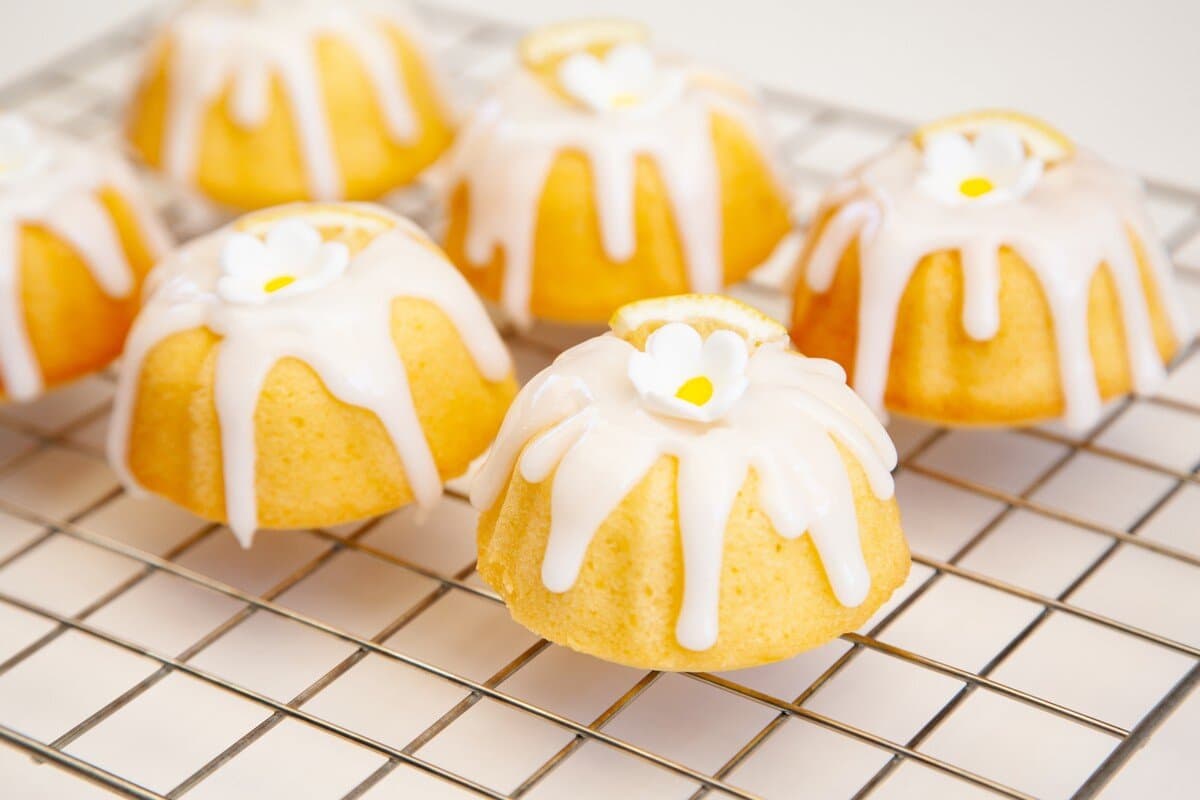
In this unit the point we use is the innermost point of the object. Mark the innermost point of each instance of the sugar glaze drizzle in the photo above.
(342, 331)
(64, 197)
(219, 45)
(505, 151)
(1081, 214)
(583, 411)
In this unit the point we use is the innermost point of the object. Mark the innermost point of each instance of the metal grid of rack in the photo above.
(369, 662)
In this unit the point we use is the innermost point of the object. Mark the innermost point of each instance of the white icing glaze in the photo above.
(341, 330)
(240, 45)
(1080, 214)
(61, 193)
(581, 424)
(505, 151)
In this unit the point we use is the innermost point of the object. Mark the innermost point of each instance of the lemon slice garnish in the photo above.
(542, 49)
(353, 224)
(359, 216)
(639, 318)
(1042, 140)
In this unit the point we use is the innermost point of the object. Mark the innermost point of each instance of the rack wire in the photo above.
(82, 93)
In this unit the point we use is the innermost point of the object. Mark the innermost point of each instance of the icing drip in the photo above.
(583, 414)
(505, 152)
(63, 196)
(219, 45)
(342, 330)
(1080, 214)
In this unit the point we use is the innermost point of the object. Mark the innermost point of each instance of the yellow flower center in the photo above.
(278, 282)
(625, 99)
(697, 390)
(976, 186)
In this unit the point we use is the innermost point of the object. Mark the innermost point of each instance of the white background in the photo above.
(1122, 77)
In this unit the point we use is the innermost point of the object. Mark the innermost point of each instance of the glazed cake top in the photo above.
(55, 182)
(316, 283)
(601, 90)
(241, 46)
(721, 399)
(973, 185)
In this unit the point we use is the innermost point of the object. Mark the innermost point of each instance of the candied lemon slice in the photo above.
(542, 49)
(1043, 140)
(715, 310)
(354, 224)
(359, 216)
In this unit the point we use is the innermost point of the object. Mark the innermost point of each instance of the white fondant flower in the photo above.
(21, 154)
(991, 168)
(626, 78)
(292, 260)
(681, 375)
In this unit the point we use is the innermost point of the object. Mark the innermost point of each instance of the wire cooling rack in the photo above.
(1048, 629)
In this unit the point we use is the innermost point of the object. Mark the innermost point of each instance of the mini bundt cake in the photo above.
(603, 171)
(76, 239)
(258, 102)
(986, 271)
(688, 493)
(306, 366)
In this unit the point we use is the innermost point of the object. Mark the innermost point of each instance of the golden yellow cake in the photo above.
(604, 171)
(688, 493)
(76, 239)
(306, 366)
(258, 102)
(986, 271)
